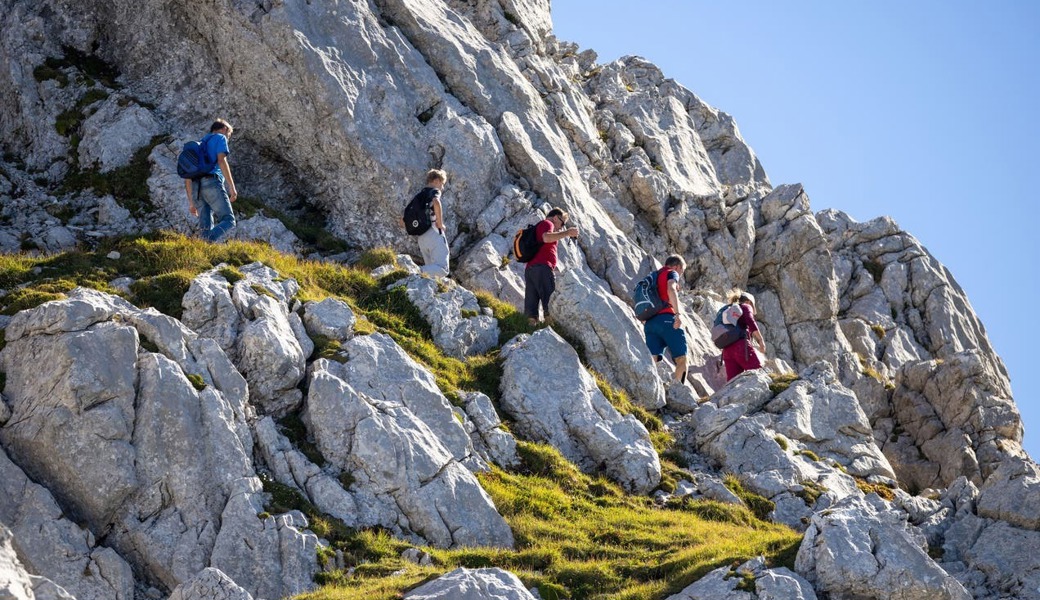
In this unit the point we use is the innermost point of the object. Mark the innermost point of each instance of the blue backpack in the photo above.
(645, 299)
(192, 162)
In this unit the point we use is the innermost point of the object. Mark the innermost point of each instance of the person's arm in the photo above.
(673, 299)
(437, 219)
(191, 200)
(761, 342)
(225, 168)
(559, 235)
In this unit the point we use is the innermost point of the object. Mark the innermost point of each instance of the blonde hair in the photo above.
(736, 294)
(436, 175)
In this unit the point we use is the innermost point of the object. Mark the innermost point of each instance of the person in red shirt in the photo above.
(740, 356)
(539, 278)
(665, 329)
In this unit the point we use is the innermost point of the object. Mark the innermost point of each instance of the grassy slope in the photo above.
(577, 536)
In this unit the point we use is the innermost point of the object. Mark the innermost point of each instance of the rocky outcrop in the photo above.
(472, 584)
(611, 339)
(141, 424)
(457, 320)
(861, 548)
(802, 448)
(553, 399)
(750, 581)
(406, 477)
(210, 584)
(131, 446)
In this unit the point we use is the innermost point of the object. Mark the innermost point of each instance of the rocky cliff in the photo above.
(138, 446)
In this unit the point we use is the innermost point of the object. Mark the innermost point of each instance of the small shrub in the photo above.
(231, 274)
(781, 441)
(878, 330)
(781, 381)
(469, 314)
(809, 454)
(811, 492)
(197, 381)
(875, 488)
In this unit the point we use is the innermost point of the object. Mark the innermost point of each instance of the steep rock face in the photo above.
(555, 400)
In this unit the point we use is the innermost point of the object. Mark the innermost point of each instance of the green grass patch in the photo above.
(760, 506)
(811, 492)
(577, 537)
(511, 321)
(293, 428)
(809, 454)
(376, 258)
(781, 441)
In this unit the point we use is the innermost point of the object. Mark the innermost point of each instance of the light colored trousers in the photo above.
(434, 248)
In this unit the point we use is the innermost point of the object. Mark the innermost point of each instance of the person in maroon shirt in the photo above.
(740, 356)
(539, 278)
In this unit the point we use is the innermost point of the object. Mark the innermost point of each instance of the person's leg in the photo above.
(426, 249)
(730, 356)
(220, 203)
(530, 297)
(654, 343)
(547, 287)
(205, 215)
(676, 340)
(441, 255)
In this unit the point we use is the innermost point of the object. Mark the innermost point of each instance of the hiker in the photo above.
(740, 356)
(539, 279)
(210, 196)
(665, 329)
(433, 244)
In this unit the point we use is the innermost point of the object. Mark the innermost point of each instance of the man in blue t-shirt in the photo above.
(664, 329)
(210, 196)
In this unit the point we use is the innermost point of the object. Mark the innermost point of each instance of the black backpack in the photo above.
(417, 213)
(645, 299)
(526, 244)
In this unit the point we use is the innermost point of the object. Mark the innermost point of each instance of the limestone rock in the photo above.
(117, 129)
(613, 342)
(381, 369)
(472, 584)
(1012, 494)
(405, 478)
(554, 399)
(858, 549)
(210, 584)
(53, 547)
(292, 468)
(331, 318)
(721, 584)
(490, 440)
(800, 448)
(270, 557)
(454, 315)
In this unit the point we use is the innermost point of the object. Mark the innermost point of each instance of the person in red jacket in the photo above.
(665, 328)
(539, 278)
(740, 356)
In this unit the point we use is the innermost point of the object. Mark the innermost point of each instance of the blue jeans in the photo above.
(213, 203)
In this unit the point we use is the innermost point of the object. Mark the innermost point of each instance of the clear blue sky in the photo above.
(925, 111)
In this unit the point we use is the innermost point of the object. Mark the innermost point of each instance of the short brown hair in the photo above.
(675, 261)
(221, 124)
(436, 175)
(557, 212)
